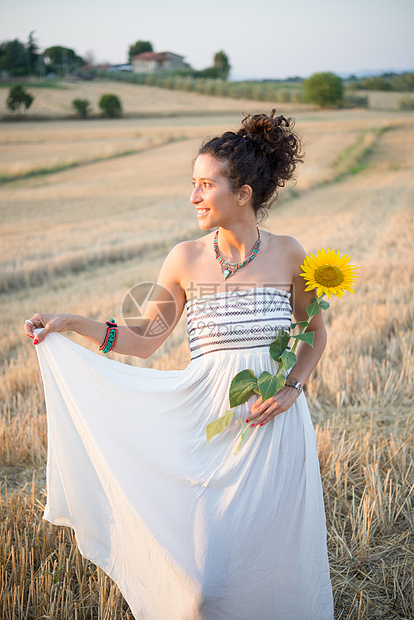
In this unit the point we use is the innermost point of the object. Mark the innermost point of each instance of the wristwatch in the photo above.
(292, 382)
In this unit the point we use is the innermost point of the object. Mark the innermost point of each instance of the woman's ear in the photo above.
(245, 194)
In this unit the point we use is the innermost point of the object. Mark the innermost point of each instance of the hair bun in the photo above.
(261, 125)
(263, 153)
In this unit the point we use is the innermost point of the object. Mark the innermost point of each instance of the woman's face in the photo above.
(216, 204)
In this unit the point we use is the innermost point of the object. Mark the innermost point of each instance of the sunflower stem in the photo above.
(302, 330)
(305, 324)
(243, 436)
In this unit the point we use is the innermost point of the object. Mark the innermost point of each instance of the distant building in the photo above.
(152, 62)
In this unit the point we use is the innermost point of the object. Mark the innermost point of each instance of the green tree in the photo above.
(18, 97)
(404, 82)
(387, 81)
(62, 60)
(139, 47)
(222, 64)
(13, 57)
(32, 52)
(82, 107)
(375, 83)
(324, 89)
(110, 106)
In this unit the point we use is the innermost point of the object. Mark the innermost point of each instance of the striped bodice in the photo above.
(237, 320)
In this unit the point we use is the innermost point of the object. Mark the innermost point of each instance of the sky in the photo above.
(262, 38)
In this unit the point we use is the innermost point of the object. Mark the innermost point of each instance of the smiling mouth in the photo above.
(202, 211)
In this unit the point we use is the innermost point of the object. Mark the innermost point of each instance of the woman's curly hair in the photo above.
(263, 154)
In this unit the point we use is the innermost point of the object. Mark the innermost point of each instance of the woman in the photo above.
(188, 530)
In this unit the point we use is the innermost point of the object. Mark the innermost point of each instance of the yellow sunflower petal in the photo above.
(343, 261)
(321, 256)
(329, 273)
(311, 262)
(331, 257)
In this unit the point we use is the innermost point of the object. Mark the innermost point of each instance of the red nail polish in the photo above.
(247, 421)
(261, 425)
(251, 425)
(35, 341)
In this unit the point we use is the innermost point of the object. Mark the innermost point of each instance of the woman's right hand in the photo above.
(48, 323)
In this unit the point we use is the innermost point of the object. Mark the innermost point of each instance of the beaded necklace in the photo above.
(229, 269)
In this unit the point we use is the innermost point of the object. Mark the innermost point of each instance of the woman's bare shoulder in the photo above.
(181, 258)
(187, 249)
(286, 243)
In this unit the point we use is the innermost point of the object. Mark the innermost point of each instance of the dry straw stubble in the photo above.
(360, 395)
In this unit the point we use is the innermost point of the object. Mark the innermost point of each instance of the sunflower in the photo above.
(329, 273)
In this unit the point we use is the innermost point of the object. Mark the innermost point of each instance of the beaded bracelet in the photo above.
(111, 336)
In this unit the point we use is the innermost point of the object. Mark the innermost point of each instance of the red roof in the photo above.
(151, 56)
(154, 56)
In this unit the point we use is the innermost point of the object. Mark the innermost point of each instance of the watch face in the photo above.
(295, 384)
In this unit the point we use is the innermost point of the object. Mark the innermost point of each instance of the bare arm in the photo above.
(131, 340)
(307, 357)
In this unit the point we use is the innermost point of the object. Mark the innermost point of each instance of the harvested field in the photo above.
(77, 239)
(135, 99)
(148, 101)
(380, 99)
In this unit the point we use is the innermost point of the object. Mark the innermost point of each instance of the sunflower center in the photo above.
(329, 275)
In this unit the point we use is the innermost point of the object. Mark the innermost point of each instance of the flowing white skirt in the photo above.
(188, 531)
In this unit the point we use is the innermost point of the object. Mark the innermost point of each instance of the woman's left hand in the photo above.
(47, 323)
(262, 412)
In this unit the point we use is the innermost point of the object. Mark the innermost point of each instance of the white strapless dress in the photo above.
(189, 531)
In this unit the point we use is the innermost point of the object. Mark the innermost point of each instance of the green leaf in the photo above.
(323, 305)
(306, 337)
(301, 323)
(279, 344)
(242, 387)
(218, 426)
(313, 309)
(288, 359)
(269, 385)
